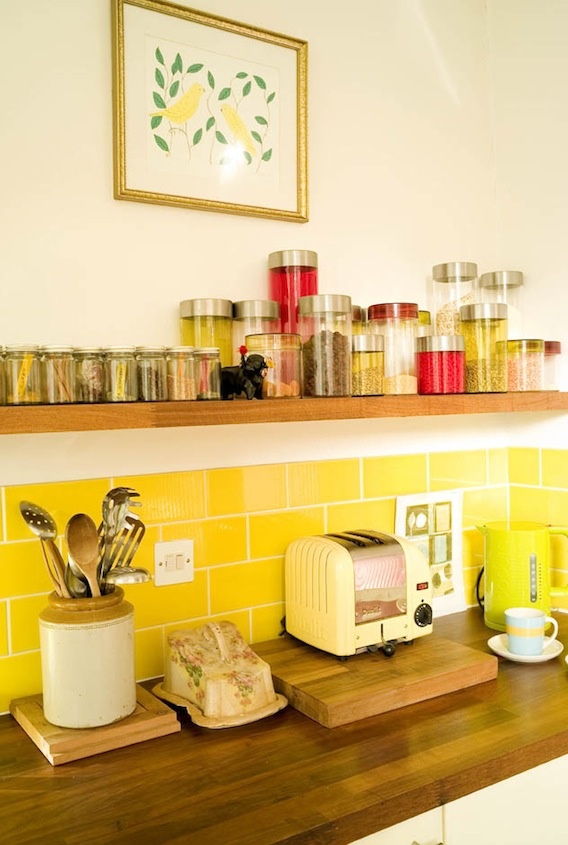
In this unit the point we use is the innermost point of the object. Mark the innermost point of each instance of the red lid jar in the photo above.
(292, 273)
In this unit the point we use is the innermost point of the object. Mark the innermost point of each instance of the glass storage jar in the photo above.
(440, 364)
(253, 316)
(283, 353)
(484, 327)
(152, 373)
(358, 319)
(525, 365)
(397, 322)
(454, 284)
(181, 373)
(208, 323)
(325, 330)
(208, 372)
(89, 374)
(424, 324)
(23, 375)
(552, 359)
(58, 375)
(121, 382)
(505, 286)
(2, 377)
(367, 365)
(292, 273)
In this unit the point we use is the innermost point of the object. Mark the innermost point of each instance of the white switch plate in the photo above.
(173, 562)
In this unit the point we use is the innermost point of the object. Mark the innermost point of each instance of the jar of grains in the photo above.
(552, 358)
(152, 373)
(23, 375)
(208, 323)
(440, 364)
(397, 322)
(283, 352)
(454, 284)
(181, 373)
(367, 365)
(292, 273)
(89, 374)
(505, 286)
(58, 375)
(525, 365)
(121, 382)
(484, 327)
(208, 372)
(325, 330)
(253, 316)
(358, 319)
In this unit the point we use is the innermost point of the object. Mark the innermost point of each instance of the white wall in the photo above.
(409, 102)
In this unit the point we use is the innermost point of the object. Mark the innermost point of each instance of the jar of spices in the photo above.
(367, 365)
(89, 374)
(152, 373)
(525, 365)
(283, 353)
(208, 323)
(440, 364)
(505, 286)
(58, 375)
(208, 372)
(484, 327)
(121, 382)
(253, 316)
(23, 375)
(181, 373)
(552, 358)
(325, 330)
(397, 322)
(292, 273)
(454, 285)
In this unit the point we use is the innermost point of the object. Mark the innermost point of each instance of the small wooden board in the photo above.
(335, 692)
(150, 719)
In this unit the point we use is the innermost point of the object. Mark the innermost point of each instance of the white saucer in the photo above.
(552, 648)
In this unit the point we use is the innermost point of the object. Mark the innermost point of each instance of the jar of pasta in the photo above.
(454, 284)
(89, 374)
(58, 370)
(397, 322)
(23, 375)
(484, 327)
(181, 373)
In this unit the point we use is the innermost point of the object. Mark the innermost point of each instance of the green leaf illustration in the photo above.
(248, 157)
(159, 77)
(262, 120)
(256, 136)
(159, 57)
(194, 68)
(211, 80)
(224, 94)
(260, 82)
(267, 155)
(226, 160)
(197, 136)
(158, 100)
(161, 143)
(220, 137)
(174, 88)
(156, 120)
(209, 124)
(242, 75)
(271, 97)
(177, 65)
(246, 88)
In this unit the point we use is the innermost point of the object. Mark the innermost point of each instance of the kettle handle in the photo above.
(558, 529)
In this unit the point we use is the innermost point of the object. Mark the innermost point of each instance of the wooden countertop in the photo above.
(286, 779)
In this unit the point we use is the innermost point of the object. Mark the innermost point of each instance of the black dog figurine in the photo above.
(245, 378)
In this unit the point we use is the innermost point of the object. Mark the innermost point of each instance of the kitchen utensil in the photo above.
(123, 554)
(83, 544)
(127, 575)
(75, 581)
(43, 526)
(115, 509)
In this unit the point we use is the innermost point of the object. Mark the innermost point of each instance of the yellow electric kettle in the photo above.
(517, 568)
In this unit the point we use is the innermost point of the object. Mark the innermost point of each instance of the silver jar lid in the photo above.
(501, 279)
(367, 343)
(206, 308)
(120, 350)
(322, 303)
(56, 349)
(88, 350)
(441, 343)
(151, 350)
(21, 348)
(454, 271)
(483, 311)
(293, 258)
(180, 350)
(264, 309)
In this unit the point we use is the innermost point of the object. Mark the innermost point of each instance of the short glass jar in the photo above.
(152, 372)
(89, 374)
(397, 322)
(58, 375)
(506, 287)
(253, 316)
(283, 353)
(525, 365)
(208, 323)
(484, 327)
(552, 359)
(440, 364)
(325, 330)
(23, 375)
(181, 373)
(454, 284)
(367, 365)
(121, 382)
(208, 372)
(292, 273)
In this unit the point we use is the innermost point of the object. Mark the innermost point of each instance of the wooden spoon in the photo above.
(83, 544)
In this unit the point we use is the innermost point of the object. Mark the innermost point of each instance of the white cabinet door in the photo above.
(425, 829)
(528, 808)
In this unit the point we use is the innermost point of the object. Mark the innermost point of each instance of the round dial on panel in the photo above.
(423, 615)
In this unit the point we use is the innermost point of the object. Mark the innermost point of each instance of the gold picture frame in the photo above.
(209, 113)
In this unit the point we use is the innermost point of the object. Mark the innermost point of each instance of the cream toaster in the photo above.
(356, 591)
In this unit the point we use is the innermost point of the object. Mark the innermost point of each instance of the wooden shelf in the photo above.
(38, 419)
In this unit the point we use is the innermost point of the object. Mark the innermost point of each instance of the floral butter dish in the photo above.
(217, 677)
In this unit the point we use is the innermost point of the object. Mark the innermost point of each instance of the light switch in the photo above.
(173, 562)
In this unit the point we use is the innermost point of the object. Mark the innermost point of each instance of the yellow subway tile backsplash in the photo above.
(149, 653)
(498, 466)
(3, 628)
(22, 569)
(215, 541)
(168, 497)
(172, 603)
(484, 505)
(20, 676)
(524, 466)
(270, 534)
(318, 482)
(394, 475)
(267, 622)
(458, 469)
(60, 500)
(378, 516)
(245, 489)
(24, 622)
(529, 503)
(555, 468)
(246, 585)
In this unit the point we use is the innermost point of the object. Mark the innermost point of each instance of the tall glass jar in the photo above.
(552, 359)
(484, 327)
(152, 373)
(181, 373)
(325, 329)
(397, 322)
(367, 365)
(89, 374)
(208, 323)
(454, 285)
(292, 273)
(58, 375)
(525, 365)
(23, 375)
(121, 381)
(253, 316)
(505, 286)
(358, 319)
(208, 372)
(283, 353)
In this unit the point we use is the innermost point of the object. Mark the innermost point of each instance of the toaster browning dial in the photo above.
(423, 615)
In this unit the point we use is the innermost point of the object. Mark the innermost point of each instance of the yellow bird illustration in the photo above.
(185, 107)
(238, 128)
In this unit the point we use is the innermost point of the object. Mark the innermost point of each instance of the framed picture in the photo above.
(210, 114)
(433, 522)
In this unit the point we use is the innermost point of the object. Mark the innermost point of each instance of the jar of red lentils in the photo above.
(525, 365)
(440, 364)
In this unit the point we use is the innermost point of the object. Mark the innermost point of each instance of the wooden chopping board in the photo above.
(335, 692)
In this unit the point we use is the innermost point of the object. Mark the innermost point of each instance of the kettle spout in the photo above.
(482, 528)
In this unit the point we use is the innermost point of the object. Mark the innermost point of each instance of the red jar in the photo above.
(292, 273)
(440, 364)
